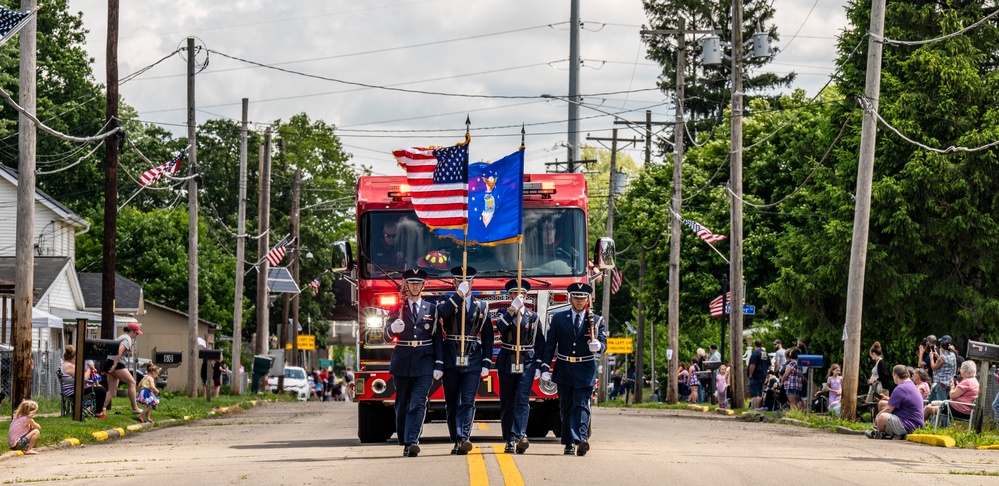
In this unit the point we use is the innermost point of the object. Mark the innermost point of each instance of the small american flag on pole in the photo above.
(616, 280)
(277, 253)
(152, 175)
(716, 306)
(438, 184)
(315, 285)
(704, 233)
(11, 21)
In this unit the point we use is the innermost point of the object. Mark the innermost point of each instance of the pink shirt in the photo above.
(962, 403)
(721, 383)
(924, 389)
(18, 428)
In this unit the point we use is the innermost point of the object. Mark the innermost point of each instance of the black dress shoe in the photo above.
(509, 449)
(582, 448)
(405, 450)
(454, 450)
(464, 447)
(522, 445)
(569, 450)
(414, 450)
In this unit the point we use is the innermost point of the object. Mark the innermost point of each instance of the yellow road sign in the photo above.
(306, 342)
(619, 346)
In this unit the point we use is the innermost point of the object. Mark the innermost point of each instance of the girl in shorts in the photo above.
(24, 431)
(148, 393)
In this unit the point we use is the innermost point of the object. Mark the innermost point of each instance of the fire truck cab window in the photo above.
(554, 245)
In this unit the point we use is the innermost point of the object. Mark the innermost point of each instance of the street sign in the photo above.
(747, 310)
(306, 342)
(619, 346)
(611, 361)
(323, 363)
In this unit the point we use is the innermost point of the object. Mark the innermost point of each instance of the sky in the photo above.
(491, 60)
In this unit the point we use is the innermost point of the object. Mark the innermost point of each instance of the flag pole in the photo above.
(520, 269)
(464, 254)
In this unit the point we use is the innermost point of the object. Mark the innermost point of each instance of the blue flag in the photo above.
(495, 202)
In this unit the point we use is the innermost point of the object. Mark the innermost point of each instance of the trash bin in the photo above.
(261, 365)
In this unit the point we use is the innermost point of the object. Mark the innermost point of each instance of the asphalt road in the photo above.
(315, 443)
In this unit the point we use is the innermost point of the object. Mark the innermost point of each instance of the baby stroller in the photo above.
(775, 399)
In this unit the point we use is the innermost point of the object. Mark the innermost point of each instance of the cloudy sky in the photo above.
(490, 59)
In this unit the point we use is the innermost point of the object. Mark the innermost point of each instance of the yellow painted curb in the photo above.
(187, 417)
(70, 441)
(135, 427)
(100, 435)
(934, 440)
(724, 411)
(697, 408)
(993, 446)
(121, 431)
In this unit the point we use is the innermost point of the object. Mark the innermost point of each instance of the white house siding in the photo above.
(61, 294)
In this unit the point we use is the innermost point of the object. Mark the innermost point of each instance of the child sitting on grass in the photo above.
(148, 393)
(24, 431)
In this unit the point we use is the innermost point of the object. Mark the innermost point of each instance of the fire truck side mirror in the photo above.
(604, 253)
(343, 260)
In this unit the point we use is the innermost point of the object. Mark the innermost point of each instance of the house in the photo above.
(166, 329)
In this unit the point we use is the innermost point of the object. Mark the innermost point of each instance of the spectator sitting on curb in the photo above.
(904, 411)
(24, 431)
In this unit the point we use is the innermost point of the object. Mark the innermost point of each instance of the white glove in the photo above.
(537, 375)
(398, 326)
(438, 374)
(594, 346)
(484, 373)
(546, 376)
(518, 302)
(463, 289)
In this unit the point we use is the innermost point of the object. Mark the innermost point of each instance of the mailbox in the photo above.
(261, 364)
(810, 360)
(167, 358)
(712, 365)
(100, 349)
(210, 354)
(983, 351)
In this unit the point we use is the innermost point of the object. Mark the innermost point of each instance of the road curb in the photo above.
(847, 431)
(697, 408)
(989, 447)
(931, 439)
(724, 411)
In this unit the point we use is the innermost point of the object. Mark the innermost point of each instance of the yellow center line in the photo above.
(477, 475)
(511, 475)
(482, 425)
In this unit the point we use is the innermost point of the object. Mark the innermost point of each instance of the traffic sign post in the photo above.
(306, 342)
(619, 346)
(747, 310)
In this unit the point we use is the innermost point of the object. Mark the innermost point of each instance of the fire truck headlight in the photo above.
(374, 317)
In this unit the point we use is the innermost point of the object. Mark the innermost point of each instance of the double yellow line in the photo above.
(477, 474)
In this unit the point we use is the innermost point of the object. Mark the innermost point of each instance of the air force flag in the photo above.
(495, 202)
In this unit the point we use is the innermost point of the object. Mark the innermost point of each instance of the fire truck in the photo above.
(391, 239)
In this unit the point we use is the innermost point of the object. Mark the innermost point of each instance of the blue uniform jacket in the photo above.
(506, 324)
(480, 348)
(408, 360)
(562, 339)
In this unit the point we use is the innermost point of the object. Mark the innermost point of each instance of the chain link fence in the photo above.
(43, 375)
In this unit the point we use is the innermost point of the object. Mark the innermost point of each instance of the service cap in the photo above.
(579, 289)
(414, 275)
(511, 286)
(469, 272)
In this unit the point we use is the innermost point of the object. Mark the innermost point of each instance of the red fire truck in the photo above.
(391, 239)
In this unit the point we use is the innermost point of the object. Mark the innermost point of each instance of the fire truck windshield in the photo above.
(554, 246)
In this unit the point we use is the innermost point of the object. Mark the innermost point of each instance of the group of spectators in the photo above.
(326, 387)
(943, 383)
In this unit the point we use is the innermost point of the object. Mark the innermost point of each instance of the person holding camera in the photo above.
(929, 343)
(964, 391)
(943, 362)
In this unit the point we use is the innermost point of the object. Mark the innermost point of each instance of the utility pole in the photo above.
(192, 227)
(574, 99)
(110, 178)
(862, 213)
(567, 166)
(735, 266)
(237, 314)
(605, 305)
(263, 244)
(24, 271)
(296, 194)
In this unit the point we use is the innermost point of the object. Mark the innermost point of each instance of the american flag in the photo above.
(11, 22)
(277, 253)
(438, 183)
(152, 175)
(616, 280)
(703, 232)
(716, 307)
(315, 285)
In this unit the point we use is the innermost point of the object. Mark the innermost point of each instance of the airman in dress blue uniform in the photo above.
(517, 372)
(417, 359)
(464, 371)
(571, 342)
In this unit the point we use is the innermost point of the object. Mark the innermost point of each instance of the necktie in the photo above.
(414, 313)
(578, 322)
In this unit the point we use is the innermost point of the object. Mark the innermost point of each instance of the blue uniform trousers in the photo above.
(411, 406)
(515, 400)
(459, 399)
(574, 407)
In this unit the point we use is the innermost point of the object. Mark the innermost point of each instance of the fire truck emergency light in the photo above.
(399, 192)
(387, 301)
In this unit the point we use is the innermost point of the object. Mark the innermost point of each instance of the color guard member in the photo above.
(517, 376)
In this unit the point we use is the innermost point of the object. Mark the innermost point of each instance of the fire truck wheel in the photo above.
(375, 422)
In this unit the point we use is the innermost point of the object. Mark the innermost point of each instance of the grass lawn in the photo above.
(178, 407)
